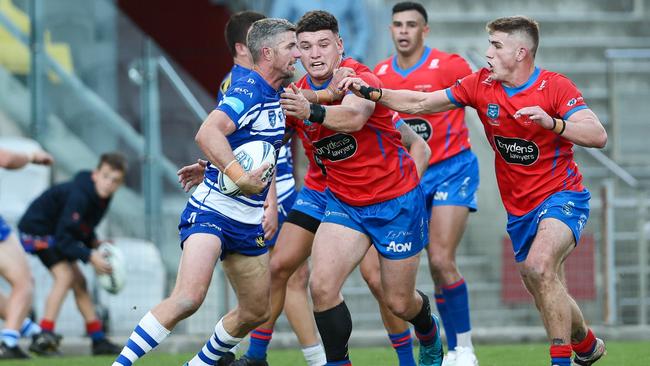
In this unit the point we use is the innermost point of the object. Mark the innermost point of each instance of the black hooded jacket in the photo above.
(70, 212)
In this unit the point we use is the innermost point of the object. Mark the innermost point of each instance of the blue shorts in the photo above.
(572, 208)
(311, 202)
(452, 182)
(5, 229)
(398, 228)
(236, 237)
(284, 207)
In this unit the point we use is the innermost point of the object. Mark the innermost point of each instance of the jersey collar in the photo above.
(405, 72)
(511, 92)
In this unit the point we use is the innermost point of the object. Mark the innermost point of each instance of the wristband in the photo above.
(563, 127)
(234, 171)
(559, 129)
(371, 93)
(316, 113)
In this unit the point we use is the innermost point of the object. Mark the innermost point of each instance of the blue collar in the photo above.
(531, 80)
(314, 87)
(405, 73)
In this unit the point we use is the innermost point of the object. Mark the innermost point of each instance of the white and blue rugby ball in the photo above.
(250, 156)
(115, 281)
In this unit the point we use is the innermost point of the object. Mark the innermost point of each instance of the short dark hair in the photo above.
(314, 21)
(517, 24)
(410, 5)
(237, 28)
(115, 160)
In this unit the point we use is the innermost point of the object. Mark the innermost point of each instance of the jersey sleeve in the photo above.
(397, 120)
(223, 87)
(69, 233)
(567, 99)
(241, 102)
(463, 92)
(371, 79)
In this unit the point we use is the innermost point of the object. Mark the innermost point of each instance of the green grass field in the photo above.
(619, 354)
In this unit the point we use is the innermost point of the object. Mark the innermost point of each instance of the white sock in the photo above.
(465, 340)
(9, 337)
(146, 336)
(29, 328)
(219, 343)
(315, 355)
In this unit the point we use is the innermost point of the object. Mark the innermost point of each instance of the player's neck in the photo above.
(243, 62)
(271, 77)
(519, 77)
(406, 61)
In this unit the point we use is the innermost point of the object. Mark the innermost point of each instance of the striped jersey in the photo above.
(254, 107)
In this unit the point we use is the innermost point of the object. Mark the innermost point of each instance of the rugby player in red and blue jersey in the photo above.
(532, 118)
(452, 178)
(373, 198)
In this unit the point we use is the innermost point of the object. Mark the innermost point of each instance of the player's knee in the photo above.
(280, 270)
(536, 272)
(186, 304)
(321, 290)
(398, 304)
(80, 285)
(253, 316)
(441, 263)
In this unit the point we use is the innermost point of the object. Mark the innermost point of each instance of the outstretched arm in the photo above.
(17, 160)
(404, 101)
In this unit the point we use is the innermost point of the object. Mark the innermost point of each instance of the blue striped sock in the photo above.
(219, 343)
(403, 345)
(145, 337)
(10, 337)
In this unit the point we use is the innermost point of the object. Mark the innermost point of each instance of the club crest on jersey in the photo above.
(259, 241)
(272, 118)
(492, 111)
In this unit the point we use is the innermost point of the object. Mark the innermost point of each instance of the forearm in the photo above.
(587, 131)
(344, 118)
(420, 155)
(412, 102)
(214, 144)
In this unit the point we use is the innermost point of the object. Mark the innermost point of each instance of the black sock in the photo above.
(423, 322)
(335, 327)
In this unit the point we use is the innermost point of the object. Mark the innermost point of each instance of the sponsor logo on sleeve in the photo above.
(234, 103)
(421, 126)
(574, 101)
(516, 151)
(336, 147)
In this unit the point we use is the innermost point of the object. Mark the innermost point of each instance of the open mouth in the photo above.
(403, 42)
(490, 66)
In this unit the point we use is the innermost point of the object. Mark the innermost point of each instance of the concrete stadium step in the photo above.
(547, 8)
(609, 26)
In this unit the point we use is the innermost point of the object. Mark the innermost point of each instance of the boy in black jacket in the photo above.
(59, 227)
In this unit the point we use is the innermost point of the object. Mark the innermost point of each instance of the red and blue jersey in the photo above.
(446, 132)
(531, 162)
(364, 167)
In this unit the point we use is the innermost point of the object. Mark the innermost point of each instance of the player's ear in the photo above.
(521, 53)
(267, 53)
